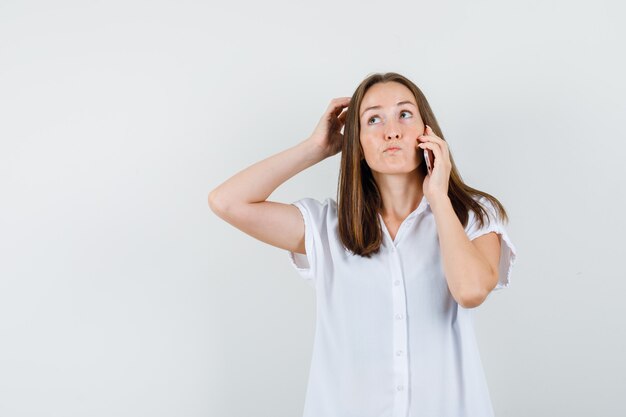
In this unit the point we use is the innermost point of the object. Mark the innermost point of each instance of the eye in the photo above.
(371, 118)
(406, 111)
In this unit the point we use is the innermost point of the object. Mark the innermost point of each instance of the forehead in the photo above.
(386, 94)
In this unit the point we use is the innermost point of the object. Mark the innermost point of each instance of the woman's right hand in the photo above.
(327, 135)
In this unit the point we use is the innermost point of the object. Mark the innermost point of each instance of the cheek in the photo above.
(366, 145)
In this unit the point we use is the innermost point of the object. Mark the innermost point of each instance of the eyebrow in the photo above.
(378, 107)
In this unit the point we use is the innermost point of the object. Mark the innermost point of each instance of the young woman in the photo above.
(398, 262)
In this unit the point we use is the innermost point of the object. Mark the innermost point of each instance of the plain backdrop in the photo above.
(123, 294)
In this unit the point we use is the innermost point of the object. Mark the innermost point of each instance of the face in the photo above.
(390, 125)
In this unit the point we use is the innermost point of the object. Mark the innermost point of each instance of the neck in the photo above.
(400, 193)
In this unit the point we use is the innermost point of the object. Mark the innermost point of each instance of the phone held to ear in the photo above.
(429, 156)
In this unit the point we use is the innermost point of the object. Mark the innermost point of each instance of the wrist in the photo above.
(439, 200)
(314, 149)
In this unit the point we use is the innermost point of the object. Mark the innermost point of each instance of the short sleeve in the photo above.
(508, 252)
(313, 213)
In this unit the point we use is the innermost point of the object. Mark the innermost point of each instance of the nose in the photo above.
(393, 132)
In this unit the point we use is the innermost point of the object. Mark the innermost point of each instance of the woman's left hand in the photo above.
(436, 183)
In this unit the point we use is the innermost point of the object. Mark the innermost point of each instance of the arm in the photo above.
(241, 199)
(257, 182)
(470, 267)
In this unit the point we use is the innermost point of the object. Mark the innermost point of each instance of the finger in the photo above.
(436, 153)
(433, 147)
(426, 135)
(339, 101)
(431, 136)
(337, 105)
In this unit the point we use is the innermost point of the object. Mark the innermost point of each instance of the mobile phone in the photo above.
(429, 156)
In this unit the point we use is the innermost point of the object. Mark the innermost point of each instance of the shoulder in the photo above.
(481, 217)
(315, 204)
(317, 210)
(488, 219)
(488, 206)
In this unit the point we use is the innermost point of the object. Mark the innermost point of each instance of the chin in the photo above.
(395, 170)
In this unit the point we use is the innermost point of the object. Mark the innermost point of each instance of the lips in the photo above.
(392, 148)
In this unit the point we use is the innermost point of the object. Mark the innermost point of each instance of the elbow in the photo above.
(476, 295)
(472, 299)
(214, 203)
(212, 200)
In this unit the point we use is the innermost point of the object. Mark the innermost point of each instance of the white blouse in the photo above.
(390, 340)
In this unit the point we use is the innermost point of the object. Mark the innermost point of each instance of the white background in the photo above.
(123, 294)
